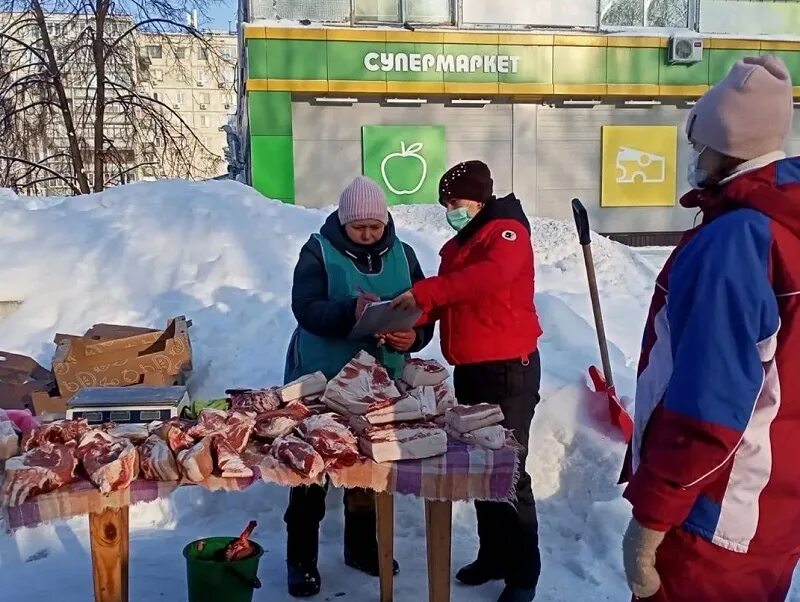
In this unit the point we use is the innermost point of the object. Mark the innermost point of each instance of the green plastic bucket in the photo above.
(210, 580)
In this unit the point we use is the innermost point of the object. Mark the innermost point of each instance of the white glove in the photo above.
(639, 548)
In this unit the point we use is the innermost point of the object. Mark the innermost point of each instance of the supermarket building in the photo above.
(585, 98)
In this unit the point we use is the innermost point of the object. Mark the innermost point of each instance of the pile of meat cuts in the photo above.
(309, 426)
(394, 421)
(478, 425)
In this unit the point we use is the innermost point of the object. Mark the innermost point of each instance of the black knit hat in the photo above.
(470, 180)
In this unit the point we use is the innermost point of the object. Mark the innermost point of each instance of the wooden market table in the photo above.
(463, 474)
(109, 536)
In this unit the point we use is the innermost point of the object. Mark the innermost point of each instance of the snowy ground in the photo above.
(223, 256)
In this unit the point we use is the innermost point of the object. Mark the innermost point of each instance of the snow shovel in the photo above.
(603, 382)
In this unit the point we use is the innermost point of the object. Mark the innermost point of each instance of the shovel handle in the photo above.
(585, 237)
(581, 222)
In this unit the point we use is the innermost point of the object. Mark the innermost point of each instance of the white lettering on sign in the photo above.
(369, 61)
(441, 63)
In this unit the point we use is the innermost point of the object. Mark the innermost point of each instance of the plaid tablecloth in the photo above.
(463, 473)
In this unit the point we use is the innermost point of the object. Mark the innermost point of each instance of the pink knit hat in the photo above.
(749, 113)
(363, 199)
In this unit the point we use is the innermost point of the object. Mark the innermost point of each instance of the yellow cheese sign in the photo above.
(639, 166)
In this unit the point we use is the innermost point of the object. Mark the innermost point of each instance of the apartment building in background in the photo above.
(192, 78)
(196, 80)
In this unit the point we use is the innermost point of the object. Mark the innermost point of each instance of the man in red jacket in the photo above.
(483, 297)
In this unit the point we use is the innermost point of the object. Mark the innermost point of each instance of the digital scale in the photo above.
(128, 405)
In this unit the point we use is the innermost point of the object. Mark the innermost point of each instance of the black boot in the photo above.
(361, 545)
(479, 572)
(303, 580)
(302, 548)
(512, 593)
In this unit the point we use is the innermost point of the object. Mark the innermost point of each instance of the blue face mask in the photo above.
(458, 218)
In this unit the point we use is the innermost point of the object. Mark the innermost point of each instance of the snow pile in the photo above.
(222, 255)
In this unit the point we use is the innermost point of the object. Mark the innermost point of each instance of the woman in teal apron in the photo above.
(354, 259)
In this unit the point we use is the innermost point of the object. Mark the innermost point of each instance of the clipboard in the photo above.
(380, 317)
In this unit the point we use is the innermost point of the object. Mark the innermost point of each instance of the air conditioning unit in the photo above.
(203, 107)
(685, 50)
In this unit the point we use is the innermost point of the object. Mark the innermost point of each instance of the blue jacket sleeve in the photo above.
(424, 333)
(310, 304)
(721, 311)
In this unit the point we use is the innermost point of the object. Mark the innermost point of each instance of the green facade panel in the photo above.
(574, 65)
(346, 61)
(683, 75)
(257, 59)
(535, 65)
(416, 76)
(297, 59)
(792, 60)
(272, 166)
(270, 113)
(721, 61)
(470, 50)
(633, 66)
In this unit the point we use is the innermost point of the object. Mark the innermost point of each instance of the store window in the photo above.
(400, 11)
(645, 13)
(327, 11)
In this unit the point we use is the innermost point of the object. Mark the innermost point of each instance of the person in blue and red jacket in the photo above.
(483, 298)
(715, 459)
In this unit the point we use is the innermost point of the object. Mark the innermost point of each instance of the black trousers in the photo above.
(307, 509)
(508, 533)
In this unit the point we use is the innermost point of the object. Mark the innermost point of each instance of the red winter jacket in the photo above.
(717, 437)
(483, 294)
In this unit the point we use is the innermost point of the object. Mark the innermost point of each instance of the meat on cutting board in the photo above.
(392, 443)
(112, 464)
(260, 400)
(238, 428)
(135, 433)
(488, 437)
(404, 409)
(362, 385)
(278, 423)
(62, 431)
(298, 455)
(40, 470)
(173, 431)
(156, 461)
(331, 439)
(305, 386)
(210, 422)
(196, 462)
(229, 461)
(466, 419)
(424, 373)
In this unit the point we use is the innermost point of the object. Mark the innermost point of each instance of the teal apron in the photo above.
(310, 353)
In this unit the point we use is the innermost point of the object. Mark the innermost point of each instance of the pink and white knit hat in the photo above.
(363, 199)
(749, 113)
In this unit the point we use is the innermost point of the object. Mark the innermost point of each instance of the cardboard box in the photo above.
(102, 358)
(45, 404)
(21, 377)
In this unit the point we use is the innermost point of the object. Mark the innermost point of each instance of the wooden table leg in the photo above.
(109, 535)
(384, 504)
(438, 524)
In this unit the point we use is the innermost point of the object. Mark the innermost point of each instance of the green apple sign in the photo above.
(406, 161)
